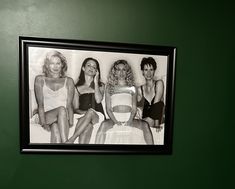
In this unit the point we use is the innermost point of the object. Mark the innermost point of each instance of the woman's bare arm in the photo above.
(70, 85)
(134, 107)
(109, 108)
(159, 88)
(99, 90)
(139, 94)
(38, 85)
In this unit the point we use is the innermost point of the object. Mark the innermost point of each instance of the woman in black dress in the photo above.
(151, 94)
(87, 101)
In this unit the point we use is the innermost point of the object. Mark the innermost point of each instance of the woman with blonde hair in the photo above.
(54, 93)
(121, 98)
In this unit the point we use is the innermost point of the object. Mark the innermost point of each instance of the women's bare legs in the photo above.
(59, 115)
(108, 124)
(153, 123)
(85, 136)
(101, 133)
(55, 133)
(79, 122)
(143, 125)
(82, 124)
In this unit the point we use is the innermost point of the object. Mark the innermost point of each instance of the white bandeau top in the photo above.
(118, 99)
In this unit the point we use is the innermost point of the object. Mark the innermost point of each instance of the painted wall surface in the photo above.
(203, 150)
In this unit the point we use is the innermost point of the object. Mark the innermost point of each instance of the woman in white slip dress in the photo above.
(121, 97)
(54, 94)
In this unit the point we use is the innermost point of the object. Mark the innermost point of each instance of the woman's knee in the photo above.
(62, 111)
(54, 126)
(89, 113)
(105, 125)
(55, 130)
(141, 124)
(88, 129)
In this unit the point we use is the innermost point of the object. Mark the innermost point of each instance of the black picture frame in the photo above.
(30, 49)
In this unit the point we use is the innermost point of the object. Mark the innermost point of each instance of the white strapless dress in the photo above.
(123, 134)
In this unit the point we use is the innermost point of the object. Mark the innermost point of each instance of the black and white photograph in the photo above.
(95, 97)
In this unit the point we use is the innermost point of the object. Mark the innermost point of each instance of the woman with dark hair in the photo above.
(54, 94)
(121, 98)
(87, 101)
(150, 95)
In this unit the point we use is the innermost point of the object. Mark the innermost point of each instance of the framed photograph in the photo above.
(95, 97)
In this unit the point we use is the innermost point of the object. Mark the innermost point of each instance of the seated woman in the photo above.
(150, 95)
(120, 96)
(87, 101)
(54, 93)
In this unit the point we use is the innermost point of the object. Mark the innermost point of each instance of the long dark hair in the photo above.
(81, 79)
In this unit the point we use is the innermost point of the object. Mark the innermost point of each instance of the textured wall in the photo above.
(203, 149)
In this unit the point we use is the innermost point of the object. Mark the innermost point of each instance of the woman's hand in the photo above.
(119, 123)
(80, 112)
(95, 116)
(159, 128)
(70, 123)
(96, 78)
(128, 123)
(46, 127)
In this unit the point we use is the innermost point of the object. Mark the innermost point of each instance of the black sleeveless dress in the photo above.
(152, 110)
(87, 100)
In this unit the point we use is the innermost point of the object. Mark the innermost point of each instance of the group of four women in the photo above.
(59, 99)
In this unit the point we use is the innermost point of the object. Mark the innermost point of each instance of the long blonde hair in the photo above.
(113, 77)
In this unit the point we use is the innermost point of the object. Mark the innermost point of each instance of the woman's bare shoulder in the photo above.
(159, 85)
(159, 82)
(70, 81)
(39, 79)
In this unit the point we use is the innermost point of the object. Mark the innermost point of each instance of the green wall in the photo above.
(203, 150)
